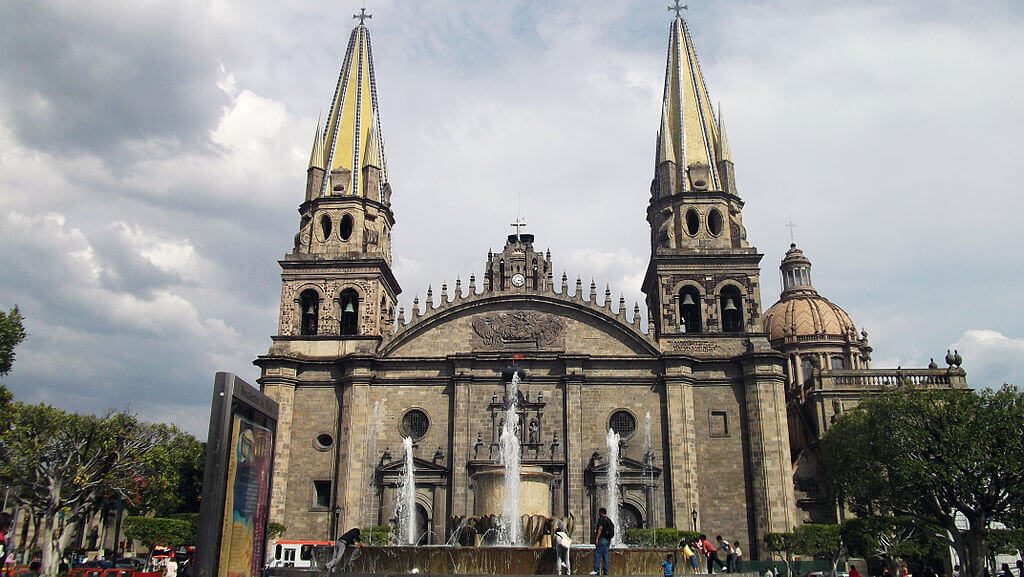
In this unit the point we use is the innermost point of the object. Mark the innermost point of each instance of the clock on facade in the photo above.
(518, 279)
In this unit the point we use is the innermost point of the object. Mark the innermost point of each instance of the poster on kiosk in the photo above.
(235, 507)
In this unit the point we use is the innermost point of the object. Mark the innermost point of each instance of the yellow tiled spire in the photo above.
(352, 139)
(722, 148)
(688, 122)
(316, 156)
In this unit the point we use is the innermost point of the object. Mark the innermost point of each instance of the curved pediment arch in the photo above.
(519, 323)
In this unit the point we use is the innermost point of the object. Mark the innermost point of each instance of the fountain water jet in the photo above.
(511, 531)
(612, 496)
(407, 501)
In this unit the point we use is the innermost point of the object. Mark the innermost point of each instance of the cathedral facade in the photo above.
(704, 394)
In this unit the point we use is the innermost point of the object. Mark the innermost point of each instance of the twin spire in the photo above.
(351, 142)
(690, 136)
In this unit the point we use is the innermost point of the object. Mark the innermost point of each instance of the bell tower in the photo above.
(702, 278)
(337, 280)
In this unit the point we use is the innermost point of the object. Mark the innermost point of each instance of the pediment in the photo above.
(519, 324)
(421, 466)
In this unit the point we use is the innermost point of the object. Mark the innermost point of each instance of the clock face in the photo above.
(518, 279)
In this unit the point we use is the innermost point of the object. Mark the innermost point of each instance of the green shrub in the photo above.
(375, 535)
(664, 538)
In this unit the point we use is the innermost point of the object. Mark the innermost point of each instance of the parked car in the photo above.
(129, 563)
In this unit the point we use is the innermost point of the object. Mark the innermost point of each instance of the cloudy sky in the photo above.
(153, 155)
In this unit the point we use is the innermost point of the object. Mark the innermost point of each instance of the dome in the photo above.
(801, 311)
(807, 314)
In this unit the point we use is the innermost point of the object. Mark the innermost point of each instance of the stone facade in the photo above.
(717, 391)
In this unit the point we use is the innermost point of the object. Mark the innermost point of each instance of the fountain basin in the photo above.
(535, 491)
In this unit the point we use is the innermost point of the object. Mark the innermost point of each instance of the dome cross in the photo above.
(678, 9)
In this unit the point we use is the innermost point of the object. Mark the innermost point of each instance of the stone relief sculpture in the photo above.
(371, 237)
(496, 331)
(666, 233)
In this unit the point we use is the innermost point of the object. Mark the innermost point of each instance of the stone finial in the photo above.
(430, 297)
(950, 359)
(622, 305)
(458, 287)
(593, 291)
(472, 284)
(444, 293)
(401, 316)
(636, 315)
(565, 284)
(416, 306)
(579, 287)
(957, 359)
(607, 297)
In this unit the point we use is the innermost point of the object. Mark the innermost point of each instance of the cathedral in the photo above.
(719, 405)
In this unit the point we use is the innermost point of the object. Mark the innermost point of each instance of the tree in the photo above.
(275, 530)
(58, 462)
(12, 332)
(153, 531)
(825, 541)
(783, 545)
(887, 538)
(933, 455)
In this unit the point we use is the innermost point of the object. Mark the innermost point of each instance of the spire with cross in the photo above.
(678, 9)
(362, 16)
(518, 224)
(791, 226)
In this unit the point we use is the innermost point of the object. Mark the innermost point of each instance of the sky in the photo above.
(153, 156)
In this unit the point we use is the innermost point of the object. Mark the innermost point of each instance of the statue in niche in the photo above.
(371, 237)
(534, 432)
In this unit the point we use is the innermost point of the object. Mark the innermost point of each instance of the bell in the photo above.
(729, 305)
(349, 309)
(688, 300)
(311, 311)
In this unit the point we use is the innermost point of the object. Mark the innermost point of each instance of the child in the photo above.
(688, 551)
(666, 565)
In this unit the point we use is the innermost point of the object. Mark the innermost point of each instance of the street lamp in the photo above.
(693, 515)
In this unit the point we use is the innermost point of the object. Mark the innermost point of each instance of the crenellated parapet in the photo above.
(465, 296)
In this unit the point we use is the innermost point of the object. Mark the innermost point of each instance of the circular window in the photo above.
(715, 222)
(323, 441)
(415, 424)
(325, 226)
(345, 228)
(692, 222)
(623, 422)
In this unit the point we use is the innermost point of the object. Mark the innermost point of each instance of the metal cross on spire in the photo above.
(791, 226)
(678, 8)
(362, 16)
(518, 224)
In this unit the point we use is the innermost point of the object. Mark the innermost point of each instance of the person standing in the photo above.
(737, 557)
(348, 539)
(853, 571)
(725, 547)
(667, 565)
(602, 540)
(562, 543)
(710, 552)
(171, 568)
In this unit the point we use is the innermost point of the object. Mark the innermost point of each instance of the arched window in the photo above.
(309, 307)
(349, 312)
(629, 518)
(689, 310)
(807, 367)
(501, 274)
(732, 309)
(838, 363)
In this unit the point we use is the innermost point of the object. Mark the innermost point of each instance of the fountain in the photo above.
(511, 533)
(406, 510)
(612, 494)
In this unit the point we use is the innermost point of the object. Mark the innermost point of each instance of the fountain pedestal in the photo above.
(535, 491)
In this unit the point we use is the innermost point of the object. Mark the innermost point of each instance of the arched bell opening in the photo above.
(349, 301)
(732, 309)
(689, 310)
(309, 307)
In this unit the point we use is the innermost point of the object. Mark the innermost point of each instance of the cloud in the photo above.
(991, 358)
(152, 157)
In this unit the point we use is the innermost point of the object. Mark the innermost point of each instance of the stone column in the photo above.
(573, 439)
(681, 460)
(461, 439)
(438, 515)
(770, 465)
(284, 393)
(355, 413)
